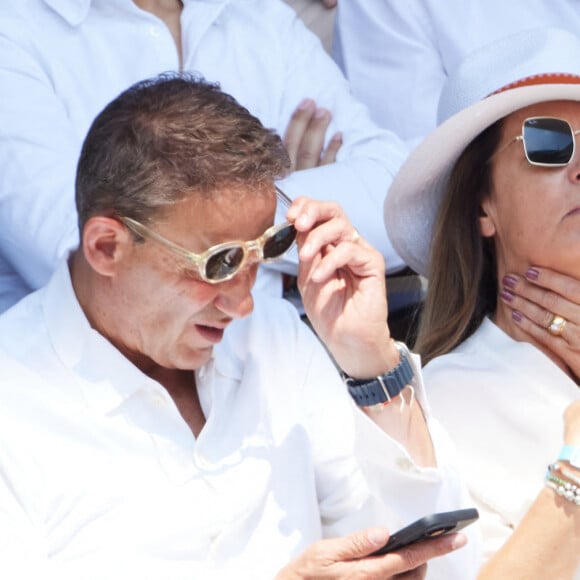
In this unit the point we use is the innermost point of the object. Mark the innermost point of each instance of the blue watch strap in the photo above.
(381, 389)
(570, 453)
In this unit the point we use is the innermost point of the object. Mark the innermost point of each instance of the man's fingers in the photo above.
(331, 151)
(311, 147)
(358, 545)
(412, 557)
(297, 127)
(305, 137)
(419, 573)
(305, 213)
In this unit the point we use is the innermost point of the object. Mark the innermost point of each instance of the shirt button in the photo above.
(154, 31)
(158, 399)
(202, 461)
(403, 463)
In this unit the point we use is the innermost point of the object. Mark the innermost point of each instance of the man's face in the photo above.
(166, 315)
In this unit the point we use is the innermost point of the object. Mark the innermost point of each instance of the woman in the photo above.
(496, 189)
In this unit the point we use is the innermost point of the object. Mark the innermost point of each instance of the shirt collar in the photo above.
(75, 11)
(105, 376)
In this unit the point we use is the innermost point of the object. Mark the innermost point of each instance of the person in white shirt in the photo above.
(157, 421)
(397, 54)
(62, 61)
(494, 196)
(318, 15)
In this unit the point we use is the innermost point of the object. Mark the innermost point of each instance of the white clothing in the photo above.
(100, 477)
(317, 18)
(502, 402)
(61, 62)
(398, 53)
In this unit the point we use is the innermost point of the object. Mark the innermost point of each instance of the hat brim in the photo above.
(413, 200)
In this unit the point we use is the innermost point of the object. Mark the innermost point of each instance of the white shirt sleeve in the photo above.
(399, 491)
(38, 156)
(389, 52)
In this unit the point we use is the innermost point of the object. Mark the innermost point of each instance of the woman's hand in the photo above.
(535, 299)
(348, 558)
(342, 282)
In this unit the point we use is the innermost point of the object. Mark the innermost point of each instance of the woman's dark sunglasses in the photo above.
(547, 141)
(223, 261)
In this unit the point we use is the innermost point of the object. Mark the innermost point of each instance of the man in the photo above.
(156, 422)
(62, 61)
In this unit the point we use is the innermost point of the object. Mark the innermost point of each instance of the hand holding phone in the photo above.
(429, 527)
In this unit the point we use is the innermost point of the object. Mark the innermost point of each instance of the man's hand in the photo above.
(330, 3)
(305, 136)
(342, 282)
(349, 557)
(341, 278)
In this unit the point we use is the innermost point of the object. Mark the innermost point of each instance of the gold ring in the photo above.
(557, 324)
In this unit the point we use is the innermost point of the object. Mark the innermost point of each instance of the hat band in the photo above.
(541, 79)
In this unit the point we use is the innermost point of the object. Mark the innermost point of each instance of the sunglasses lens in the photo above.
(224, 263)
(279, 242)
(548, 141)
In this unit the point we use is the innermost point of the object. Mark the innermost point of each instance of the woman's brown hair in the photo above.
(462, 266)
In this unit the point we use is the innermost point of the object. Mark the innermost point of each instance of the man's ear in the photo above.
(105, 241)
(486, 223)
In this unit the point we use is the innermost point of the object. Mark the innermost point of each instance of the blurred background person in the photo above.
(61, 62)
(397, 54)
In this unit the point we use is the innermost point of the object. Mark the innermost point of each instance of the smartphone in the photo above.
(429, 527)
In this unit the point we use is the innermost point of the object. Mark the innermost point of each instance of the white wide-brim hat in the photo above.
(533, 66)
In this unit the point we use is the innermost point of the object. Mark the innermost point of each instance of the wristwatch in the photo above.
(570, 453)
(381, 389)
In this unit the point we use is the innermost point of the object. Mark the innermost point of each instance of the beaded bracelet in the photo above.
(563, 488)
(565, 472)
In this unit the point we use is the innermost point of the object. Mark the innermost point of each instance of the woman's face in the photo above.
(533, 213)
